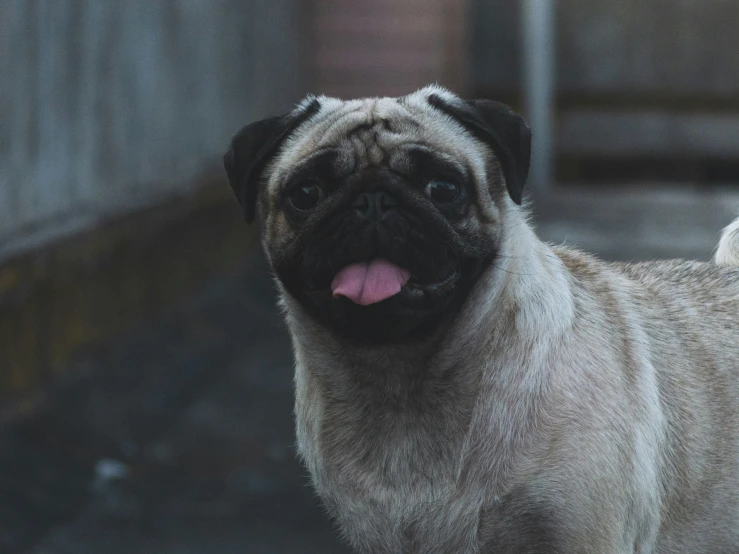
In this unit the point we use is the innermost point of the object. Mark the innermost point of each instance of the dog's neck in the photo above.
(524, 295)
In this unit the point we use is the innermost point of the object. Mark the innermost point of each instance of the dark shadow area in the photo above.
(175, 437)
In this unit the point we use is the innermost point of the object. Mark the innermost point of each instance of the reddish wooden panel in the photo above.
(387, 47)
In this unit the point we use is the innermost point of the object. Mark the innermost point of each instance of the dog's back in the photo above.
(687, 314)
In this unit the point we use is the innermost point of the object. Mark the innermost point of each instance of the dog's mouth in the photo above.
(371, 282)
(383, 297)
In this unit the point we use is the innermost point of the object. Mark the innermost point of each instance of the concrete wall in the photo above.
(108, 105)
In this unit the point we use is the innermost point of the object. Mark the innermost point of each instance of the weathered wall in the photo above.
(108, 105)
(634, 79)
(681, 46)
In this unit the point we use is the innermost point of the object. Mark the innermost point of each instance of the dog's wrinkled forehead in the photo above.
(368, 131)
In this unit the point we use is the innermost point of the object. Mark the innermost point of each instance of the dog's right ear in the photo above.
(252, 149)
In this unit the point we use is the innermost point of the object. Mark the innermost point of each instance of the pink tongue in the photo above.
(371, 282)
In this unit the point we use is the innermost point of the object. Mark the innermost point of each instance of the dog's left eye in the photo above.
(441, 192)
(305, 196)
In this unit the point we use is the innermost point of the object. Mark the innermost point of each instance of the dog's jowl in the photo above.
(463, 387)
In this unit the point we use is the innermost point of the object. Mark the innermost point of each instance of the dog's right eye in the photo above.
(305, 196)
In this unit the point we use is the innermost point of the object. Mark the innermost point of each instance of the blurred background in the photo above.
(145, 377)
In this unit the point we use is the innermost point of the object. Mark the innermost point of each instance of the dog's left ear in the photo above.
(502, 129)
(252, 149)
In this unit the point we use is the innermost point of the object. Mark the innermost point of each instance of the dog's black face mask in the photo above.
(380, 259)
(377, 247)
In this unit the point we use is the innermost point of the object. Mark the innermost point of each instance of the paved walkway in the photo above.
(177, 437)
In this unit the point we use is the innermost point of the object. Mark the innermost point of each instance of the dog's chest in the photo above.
(393, 496)
(392, 481)
(413, 519)
(440, 520)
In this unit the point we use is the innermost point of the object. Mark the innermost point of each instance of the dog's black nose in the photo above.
(374, 205)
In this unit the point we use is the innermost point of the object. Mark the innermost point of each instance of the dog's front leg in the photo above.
(520, 526)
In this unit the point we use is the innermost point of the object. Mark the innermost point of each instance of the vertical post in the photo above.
(537, 17)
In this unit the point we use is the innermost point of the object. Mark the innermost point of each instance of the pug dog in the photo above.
(463, 387)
